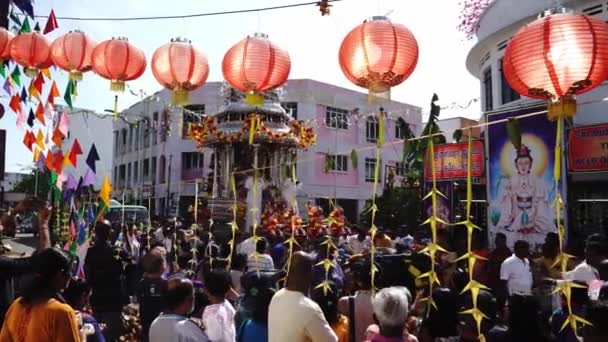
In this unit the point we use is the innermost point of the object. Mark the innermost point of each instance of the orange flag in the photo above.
(40, 113)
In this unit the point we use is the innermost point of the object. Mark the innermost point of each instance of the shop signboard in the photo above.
(521, 187)
(588, 148)
(451, 161)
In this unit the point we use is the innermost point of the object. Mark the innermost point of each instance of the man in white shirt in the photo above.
(587, 271)
(359, 243)
(173, 324)
(515, 271)
(293, 317)
(246, 247)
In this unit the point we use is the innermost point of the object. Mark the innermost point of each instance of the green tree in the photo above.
(28, 184)
(403, 205)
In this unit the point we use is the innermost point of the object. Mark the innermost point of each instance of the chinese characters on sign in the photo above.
(451, 161)
(588, 148)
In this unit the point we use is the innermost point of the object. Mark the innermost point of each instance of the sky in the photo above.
(312, 41)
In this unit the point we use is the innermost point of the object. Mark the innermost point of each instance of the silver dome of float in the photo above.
(234, 112)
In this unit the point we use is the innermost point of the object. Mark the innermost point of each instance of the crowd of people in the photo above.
(178, 283)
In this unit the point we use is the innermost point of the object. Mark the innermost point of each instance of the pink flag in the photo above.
(64, 123)
(71, 182)
(60, 179)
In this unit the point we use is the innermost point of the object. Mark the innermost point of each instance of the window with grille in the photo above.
(370, 169)
(487, 89)
(400, 169)
(336, 118)
(337, 162)
(507, 94)
(192, 160)
(372, 129)
(400, 129)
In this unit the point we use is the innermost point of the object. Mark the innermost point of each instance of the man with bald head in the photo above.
(173, 324)
(294, 317)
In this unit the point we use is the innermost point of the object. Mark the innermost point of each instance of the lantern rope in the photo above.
(564, 286)
(473, 286)
(185, 16)
(432, 221)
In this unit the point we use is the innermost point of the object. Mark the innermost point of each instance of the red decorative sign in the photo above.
(451, 161)
(588, 148)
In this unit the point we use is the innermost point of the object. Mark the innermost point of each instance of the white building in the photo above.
(586, 203)
(89, 127)
(149, 163)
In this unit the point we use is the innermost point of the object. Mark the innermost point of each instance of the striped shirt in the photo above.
(262, 263)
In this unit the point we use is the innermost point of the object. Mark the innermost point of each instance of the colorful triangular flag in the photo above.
(92, 157)
(16, 76)
(7, 87)
(29, 139)
(40, 113)
(30, 118)
(15, 103)
(54, 90)
(76, 149)
(50, 162)
(58, 137)
(36, 154)
(89, 178)
(58, 161)
(67, 96)
(64, 123)
(40, 139)
(51, 23)
(15, 18)
(23, 95)
(71, 182)
(66, 160)
(41, 162)
(106, 191)
(37, 27)
(25, 6)
(25, 27)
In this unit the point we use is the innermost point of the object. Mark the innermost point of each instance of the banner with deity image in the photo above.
(521, 189)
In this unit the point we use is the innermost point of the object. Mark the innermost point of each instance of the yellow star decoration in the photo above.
(566, 287)
(327, 265)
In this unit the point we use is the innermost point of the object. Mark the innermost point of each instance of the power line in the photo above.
(186, 16)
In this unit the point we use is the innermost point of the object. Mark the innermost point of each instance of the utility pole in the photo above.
(168, 186)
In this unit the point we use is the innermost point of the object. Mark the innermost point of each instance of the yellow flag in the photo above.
(106, 191)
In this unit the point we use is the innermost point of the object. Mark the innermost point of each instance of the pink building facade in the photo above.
(343, 119)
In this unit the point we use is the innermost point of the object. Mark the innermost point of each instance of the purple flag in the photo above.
(41, 162)
(89, 178)
(71, 182)
(7, 86)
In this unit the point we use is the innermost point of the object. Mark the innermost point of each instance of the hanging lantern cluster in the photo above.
(254, 65)
(181, 67)
(378, 55)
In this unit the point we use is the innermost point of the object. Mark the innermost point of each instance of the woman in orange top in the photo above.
(41, 313)
(328, 301)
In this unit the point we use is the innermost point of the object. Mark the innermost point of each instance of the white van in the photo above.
(133, 214)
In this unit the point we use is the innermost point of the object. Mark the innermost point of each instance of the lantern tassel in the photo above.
(116, 107)
(75, 75)
(117, 86)
(564, 107)
(31, 72)
(376, 97)
(254, 99)
(180, 97)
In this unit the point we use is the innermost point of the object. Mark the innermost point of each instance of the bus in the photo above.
(132, 214)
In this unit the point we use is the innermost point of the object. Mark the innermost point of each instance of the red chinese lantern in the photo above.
(119, 61)
(72, 53)
(181, 67)
(30, 50)
(378, 55)
(556, 58)
(5, 39)
(255, 64)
